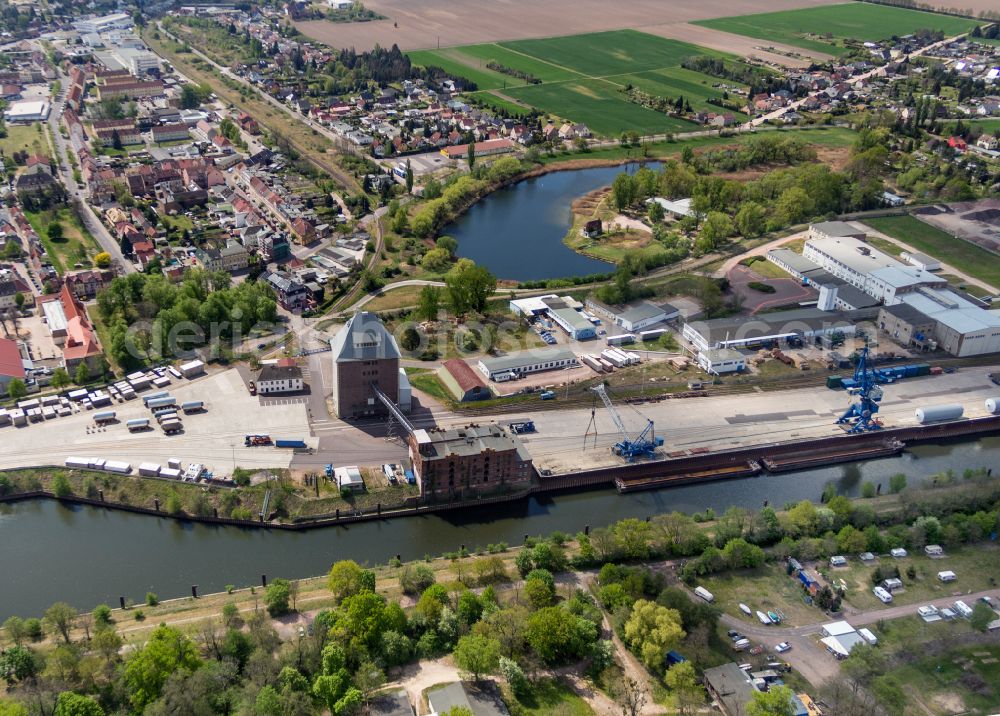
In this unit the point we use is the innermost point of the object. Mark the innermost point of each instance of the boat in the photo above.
(764, 619)
(774, 617)
(746, 610)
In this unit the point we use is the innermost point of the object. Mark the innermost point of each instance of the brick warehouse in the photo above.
(364, 354)
(470, 461)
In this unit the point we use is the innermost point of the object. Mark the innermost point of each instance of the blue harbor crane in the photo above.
(643, 445)
(861, 415)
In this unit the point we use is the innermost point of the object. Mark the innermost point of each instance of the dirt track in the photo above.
(426, 24)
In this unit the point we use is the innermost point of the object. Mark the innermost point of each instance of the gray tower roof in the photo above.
(363, 337)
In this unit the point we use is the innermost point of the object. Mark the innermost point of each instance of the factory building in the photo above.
(743, 332)
(97, 25)
(364, 355)
(516, 365)
(836, 230)
(561, 310)
(634, 316)
(961, 327)
(907, 326)
(463, 381)
(470, 461)
(718, 361)
(31, 111)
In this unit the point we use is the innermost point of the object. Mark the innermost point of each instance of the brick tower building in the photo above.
(364, 354)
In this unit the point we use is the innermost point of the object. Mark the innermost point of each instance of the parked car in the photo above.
(253, 388)
(757, 650)
(783, 647)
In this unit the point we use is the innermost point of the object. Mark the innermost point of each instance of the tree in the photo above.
(12, 708)
(166, 652)
(19, 300)
(470, 155)
(717, 226)
(61, 487)
(687, 693)
(82, 374)
(429, 303)
(652, 630)
(60, 378)
(469, 286)
(347, 578)
(277, 597)
(16, 630)
(17, 664)
(409, 177)
(897, 483)
(981, 617)
(102, 260)
(116, 140)
(750, 220)
(416, 579)
(410, 340)
(436, 260)
(190, 97)
(630, 695)
(107, 642)
(477, 655)
(776, 701)
(70, 704)
(55, 231)
(623, 191)
(16, 389)
(60, 617)
(557, 635)
(656, 212)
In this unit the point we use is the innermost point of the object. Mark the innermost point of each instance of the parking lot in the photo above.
(213, 437)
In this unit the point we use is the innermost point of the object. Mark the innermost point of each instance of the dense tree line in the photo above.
(148, 316)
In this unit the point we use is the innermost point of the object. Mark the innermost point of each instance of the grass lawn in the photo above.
(583, 76)
(765, 588)
(969, 674)
(550, 697)
(76, 245)
(177, 222)
(818, 28)
(398, 298)
(765, 268)
(427, 381)
(973, 260)
(24, 137)
(973, 565)
(494, 101)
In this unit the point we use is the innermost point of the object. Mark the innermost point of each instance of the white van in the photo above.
(704, 594)
(883, 595)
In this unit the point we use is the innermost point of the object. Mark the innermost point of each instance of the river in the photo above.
(517, 232)
(88, 555)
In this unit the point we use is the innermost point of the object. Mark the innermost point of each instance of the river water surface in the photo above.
(88, 555)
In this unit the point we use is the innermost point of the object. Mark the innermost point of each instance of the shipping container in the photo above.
(140, 383)
(155, 396)
(651, 335)
(195, 367)
(174, 462)
(97, 463)
(289, 443)
(193, 406)
(80, 463)
(835, 382)
(50, 400)
(171, 473)
(592, 363)
(174, 372)
(4, 417)
(78, 394)
(28, 404)
(149, 469)
(107, 416)
(121, 468)
(165, 415)
(137, 424)
(161, 382)
(620, 340)
(17, 417)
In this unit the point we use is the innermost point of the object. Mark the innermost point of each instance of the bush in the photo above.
(277, 597)
(102, 615)
(151, 599)
(414, 580)
(762, 287)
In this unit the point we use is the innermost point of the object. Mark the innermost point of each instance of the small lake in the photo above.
(517, 232)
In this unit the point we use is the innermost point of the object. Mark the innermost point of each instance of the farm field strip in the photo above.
(582, 76)
(819, 28)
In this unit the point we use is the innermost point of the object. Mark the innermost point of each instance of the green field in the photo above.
(820, 28)
(583, 77)
(599, 105)
(22, 137)
(969, 258)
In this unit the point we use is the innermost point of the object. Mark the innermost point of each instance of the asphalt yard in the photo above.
(213, 437)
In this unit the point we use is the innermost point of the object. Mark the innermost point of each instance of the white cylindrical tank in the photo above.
(993, 406)
(937, 413)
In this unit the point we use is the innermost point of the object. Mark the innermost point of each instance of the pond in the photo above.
(517, 232)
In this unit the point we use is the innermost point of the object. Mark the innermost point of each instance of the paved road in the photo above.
(86, 213)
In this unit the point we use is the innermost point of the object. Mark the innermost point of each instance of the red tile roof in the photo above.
(10, 359)
(463, 374)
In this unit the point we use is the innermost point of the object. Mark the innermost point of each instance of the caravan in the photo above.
(883, 595)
